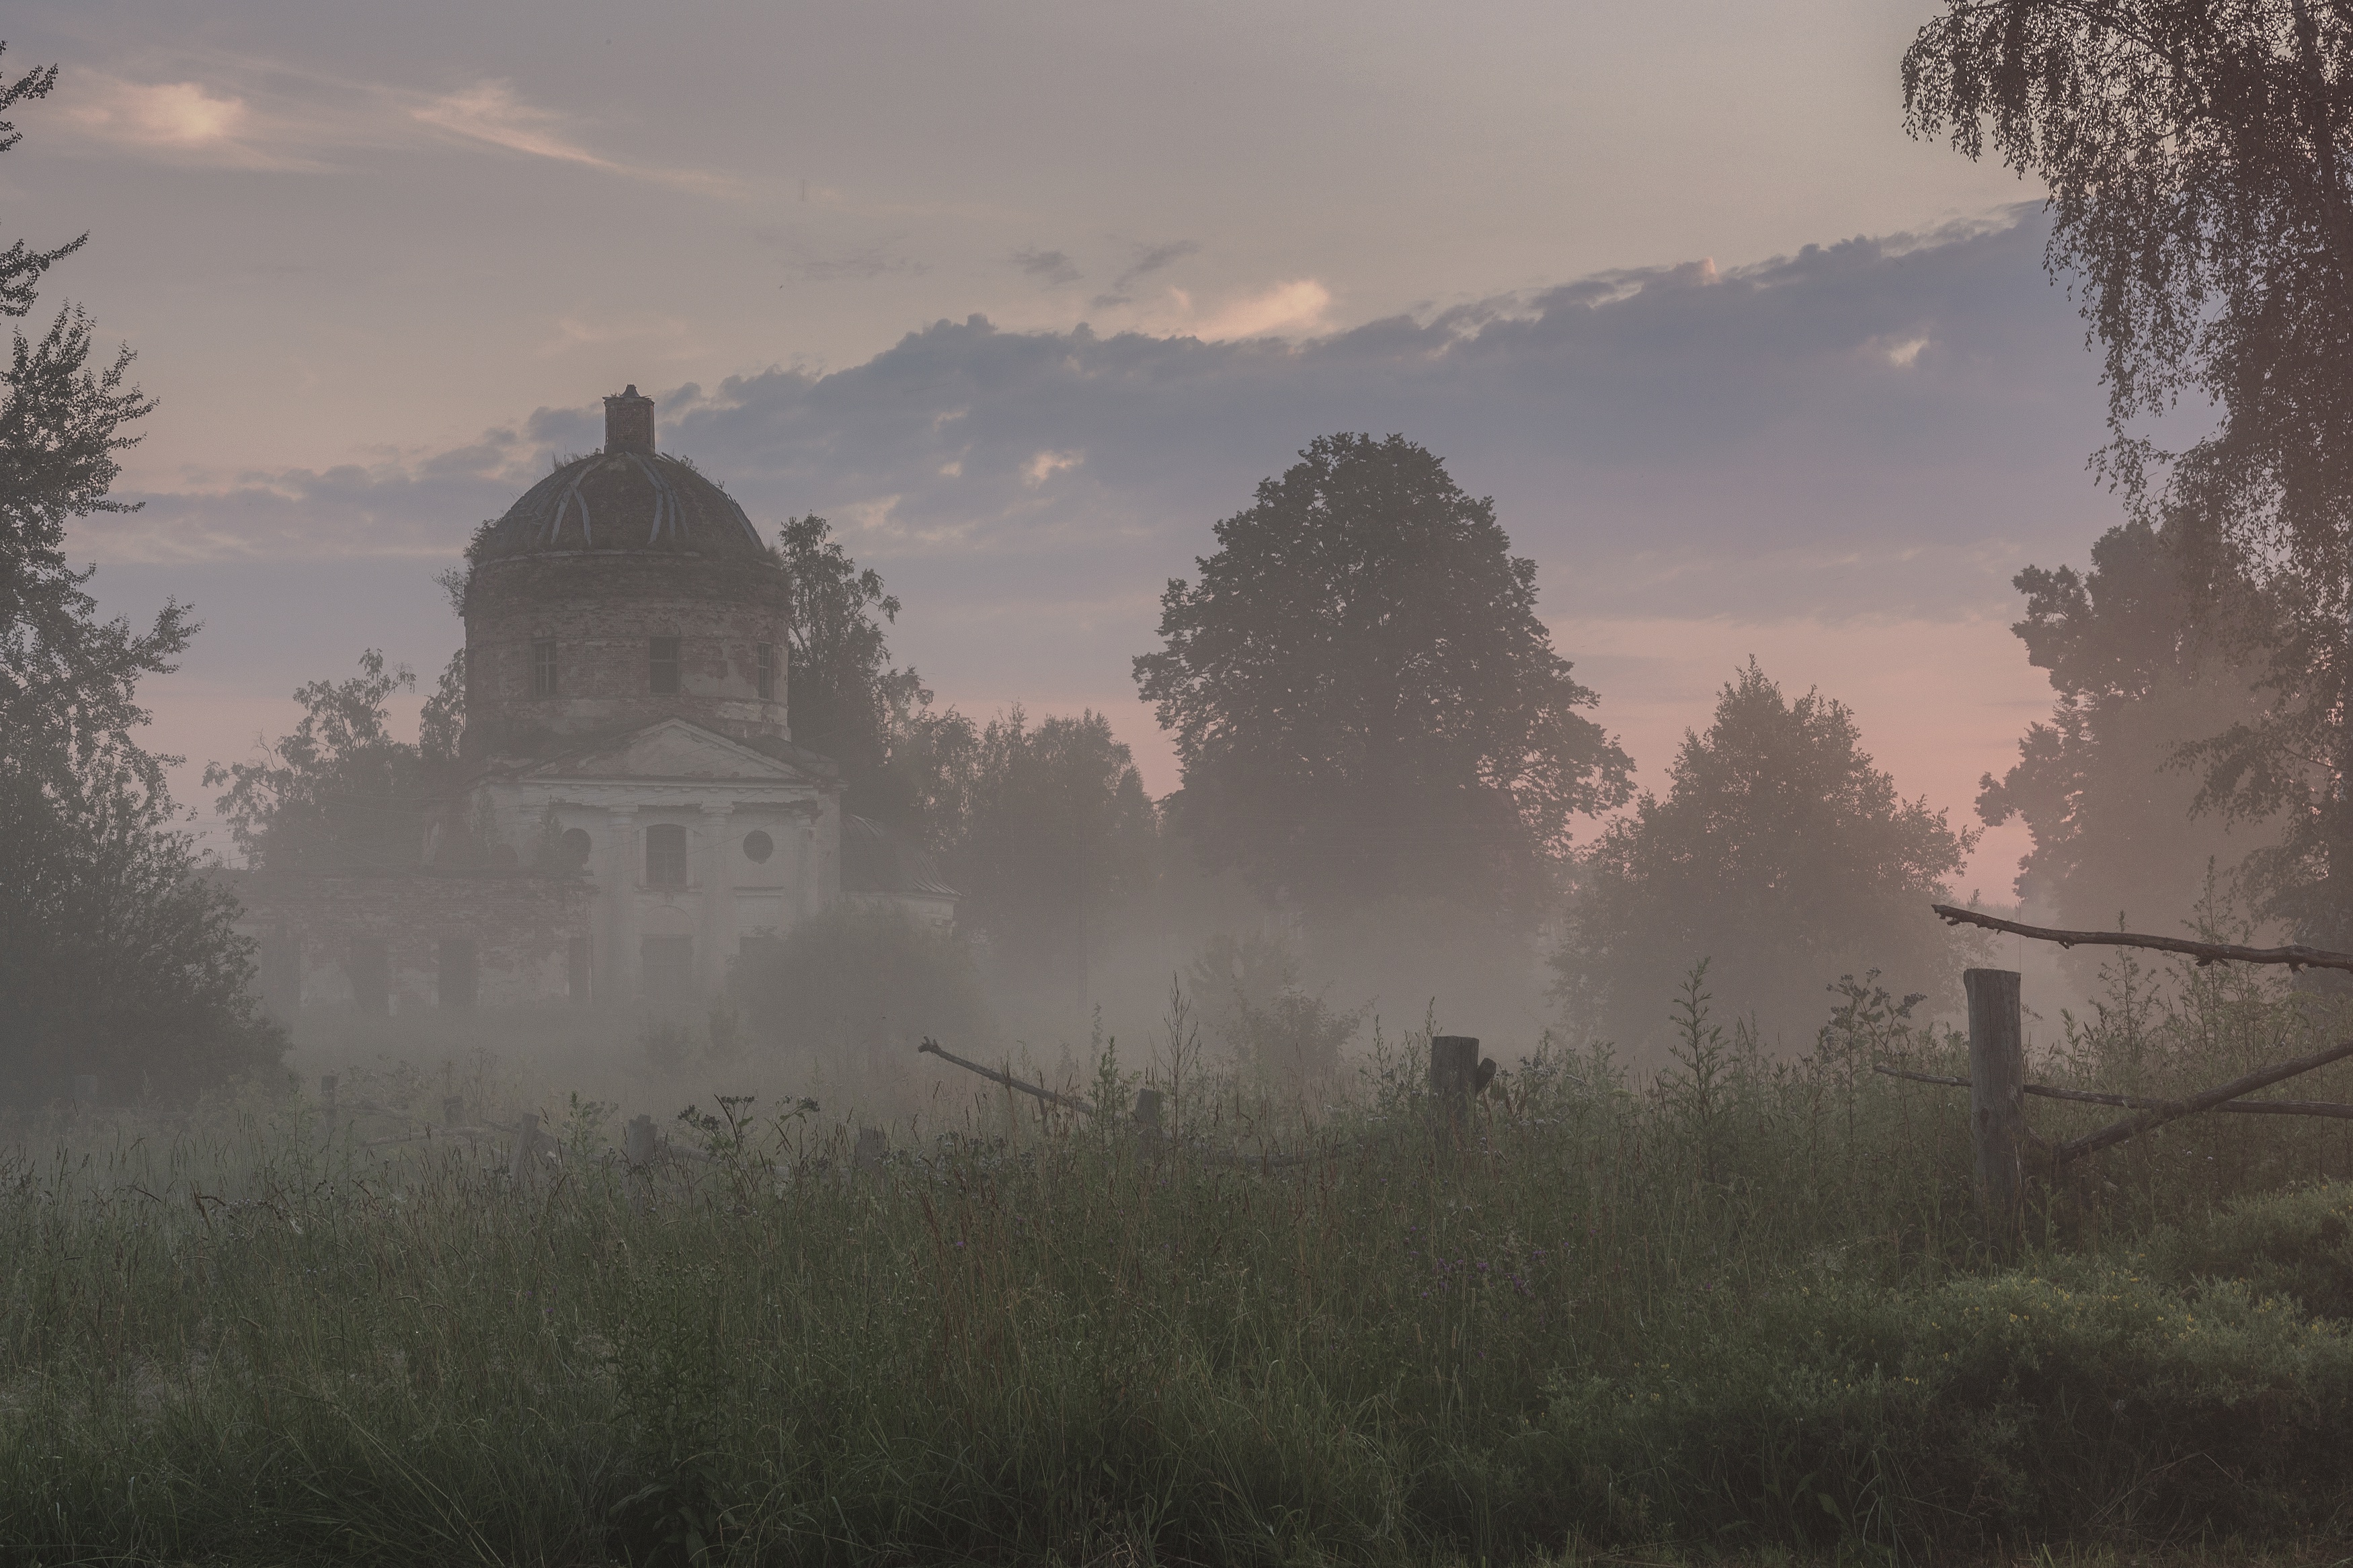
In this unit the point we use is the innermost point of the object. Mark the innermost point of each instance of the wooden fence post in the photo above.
(519, 1158)
(1998, 1099)
(1453, 1071)
(638, 1146)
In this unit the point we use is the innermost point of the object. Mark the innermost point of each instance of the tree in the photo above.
(1057, 834)
(338, 795)
(2197, 157)
(1780, 854)
(2140, 669)
(842, 694)
(116, 954)
(1363, 698)
(67, 680)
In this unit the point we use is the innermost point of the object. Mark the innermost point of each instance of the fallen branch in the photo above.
(2203, 952)
(2141, 1101)
(932, 1048)
(2246, 1083)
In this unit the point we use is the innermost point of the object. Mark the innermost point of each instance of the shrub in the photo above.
(865, 978)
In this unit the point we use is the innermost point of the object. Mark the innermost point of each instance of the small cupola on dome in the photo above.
(629, 422)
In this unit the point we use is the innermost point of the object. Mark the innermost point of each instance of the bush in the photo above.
(865, 978)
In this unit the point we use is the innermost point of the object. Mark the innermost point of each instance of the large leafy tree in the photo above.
(2198, 155)
(1781, 854)
(2134, 653)
(116, 954)
(1363, 697)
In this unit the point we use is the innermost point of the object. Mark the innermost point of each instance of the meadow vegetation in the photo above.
(1742, 1306)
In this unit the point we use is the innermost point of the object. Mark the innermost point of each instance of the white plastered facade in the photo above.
(727, 797)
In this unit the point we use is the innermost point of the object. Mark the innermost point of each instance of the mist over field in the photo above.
(1519, 783)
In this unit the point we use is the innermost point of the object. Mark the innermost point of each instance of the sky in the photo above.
(1026, 297)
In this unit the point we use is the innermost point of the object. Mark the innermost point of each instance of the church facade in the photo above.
(637, 817)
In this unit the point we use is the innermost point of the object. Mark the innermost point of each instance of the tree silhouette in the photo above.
(1363, 698)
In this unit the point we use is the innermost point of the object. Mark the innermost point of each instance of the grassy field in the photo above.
(1740, 1308)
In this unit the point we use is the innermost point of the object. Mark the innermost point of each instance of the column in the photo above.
(617, 980)
(717, 872)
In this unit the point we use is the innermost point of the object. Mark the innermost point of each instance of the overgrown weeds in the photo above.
(1740, 1307)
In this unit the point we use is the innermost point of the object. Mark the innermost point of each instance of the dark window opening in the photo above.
(460, 977)
(767, 673)
(665, 856)
(542, 668)
(661, 666)
(668, 966)
(758, 847)
(576, 969)
(370, 968)
(576, 847)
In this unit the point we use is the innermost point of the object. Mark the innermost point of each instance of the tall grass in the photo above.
(1742, 1304)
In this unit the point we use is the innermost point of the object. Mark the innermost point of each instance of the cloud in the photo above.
(1046, 465)
(490, 112)
(182, 121)
(1285, 309)
(1772, 442)
(1046, 265)
(876, 260)
(1149, 258)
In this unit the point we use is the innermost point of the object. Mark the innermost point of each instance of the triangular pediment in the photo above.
(670, 749)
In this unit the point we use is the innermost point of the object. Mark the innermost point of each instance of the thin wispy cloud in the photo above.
(1149, 260)
(1046, 265)
(490, 112)
(858, 263)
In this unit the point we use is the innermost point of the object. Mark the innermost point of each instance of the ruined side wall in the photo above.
(601, 609)
(313, 931)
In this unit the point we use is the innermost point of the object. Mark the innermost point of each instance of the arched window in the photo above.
(666, 855)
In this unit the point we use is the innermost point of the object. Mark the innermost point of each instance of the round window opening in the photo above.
(758, 847)
(576, 845)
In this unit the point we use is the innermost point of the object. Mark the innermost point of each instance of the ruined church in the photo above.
(635, 816)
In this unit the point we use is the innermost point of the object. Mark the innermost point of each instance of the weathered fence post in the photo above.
(1147, 1118)
(519, 1157)
(1998, 1099)
(1453, 1071)
(867, 1158)
(638, 1147)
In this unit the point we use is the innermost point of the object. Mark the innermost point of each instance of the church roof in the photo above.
(628, 497)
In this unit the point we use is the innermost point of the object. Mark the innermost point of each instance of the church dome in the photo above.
(628, 497)
(623, 589)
